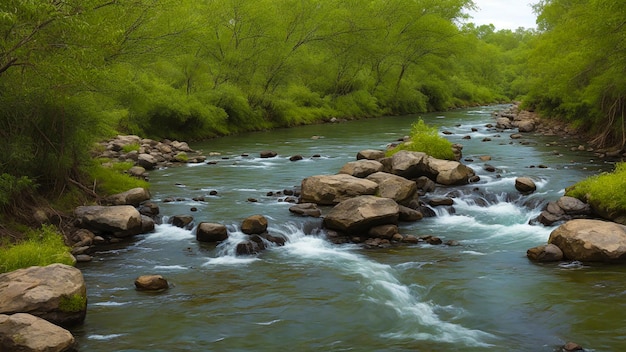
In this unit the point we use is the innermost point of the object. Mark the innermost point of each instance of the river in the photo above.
(311, 295)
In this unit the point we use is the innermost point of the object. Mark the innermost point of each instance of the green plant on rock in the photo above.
(72, 304)
(131, 147)
(426, 139)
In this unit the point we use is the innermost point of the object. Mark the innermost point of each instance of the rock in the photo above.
(435, 202)
(398, 188)
(149, 209)
(358, 215)
(450, 172)
(268, 154)
(132, 197)
(306, 209)
(383, 231)
(547, 218)
(526, 126)
(255, 224)
(370, 154)
(151, 283)
(545, 253)
(83, 258)
(411, 239)
(137, 171)
(147, 161)
(591, 241)
(503, 123)
(410, 165)
(407, 214)
(361, 168)
(425, 184)
(119, 220)
(296, 158)
(147, 224)
(27, 333)
(573, 206)
(572, 346)
(249, 247)
(56, 293)
(330, 190)
(516, 136)
(211, 232)
(182, 221)
(525, 185)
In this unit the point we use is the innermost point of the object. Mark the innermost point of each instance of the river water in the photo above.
(311, 295)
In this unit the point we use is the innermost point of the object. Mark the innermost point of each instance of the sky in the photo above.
(504, 14)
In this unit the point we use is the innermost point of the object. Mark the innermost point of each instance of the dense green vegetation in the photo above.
(75, 71)
(577, 67)
(426, 139)
(40, 247)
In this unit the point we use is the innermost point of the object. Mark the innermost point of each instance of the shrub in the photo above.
(40, 247)
(426, 139)
(604, 191)
(12, 189)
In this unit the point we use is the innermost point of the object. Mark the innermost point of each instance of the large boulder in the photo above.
(357, 215)
(55, 292)
(132, 197)
(332, 189)
(398, 188)
(450, 172)
(410, 165)
(211, 232)
(120, 220)
(24, 332)
(591, 240)
(361, 168)
(147, 161)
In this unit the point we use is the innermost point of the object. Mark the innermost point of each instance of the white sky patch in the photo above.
(504, 14)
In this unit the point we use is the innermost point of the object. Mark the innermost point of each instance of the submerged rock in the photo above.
(151, 283)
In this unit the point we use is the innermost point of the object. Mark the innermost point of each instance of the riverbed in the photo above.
(311, 295)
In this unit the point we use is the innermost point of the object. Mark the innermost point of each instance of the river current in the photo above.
(311, 295)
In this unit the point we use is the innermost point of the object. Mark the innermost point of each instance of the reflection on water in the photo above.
(483, 295)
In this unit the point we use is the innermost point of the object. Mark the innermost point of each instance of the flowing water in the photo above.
(311, 295)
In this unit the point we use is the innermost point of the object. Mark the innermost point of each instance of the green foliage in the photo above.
(72, 304)
(40, 247)
(12, 189)
(426, 139)
(604, 191)
(577, 67)
(110, 179)
(131, 147)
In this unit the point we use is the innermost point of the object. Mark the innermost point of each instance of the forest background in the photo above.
(73, 72)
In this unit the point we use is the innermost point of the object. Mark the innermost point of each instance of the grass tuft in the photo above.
(426, 139)
(604, 191)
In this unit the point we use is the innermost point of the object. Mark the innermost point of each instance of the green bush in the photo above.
(426, 139)
(40, 247)
(12, 189)
(604, 191)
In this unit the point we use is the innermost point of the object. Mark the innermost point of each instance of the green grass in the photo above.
(131, 147)
(112, 180)
(604, 191)
(426, 139)
(40, 247)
